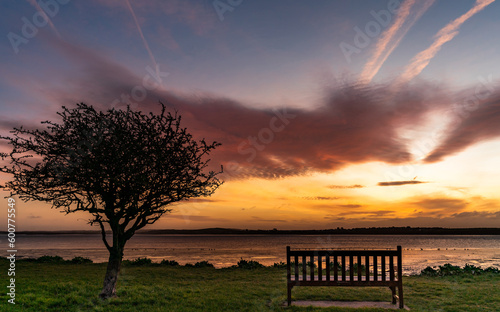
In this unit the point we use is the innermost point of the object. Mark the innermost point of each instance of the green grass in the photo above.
(75, 287)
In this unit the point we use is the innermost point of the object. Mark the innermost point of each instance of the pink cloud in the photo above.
(353, 123)
(447, 33)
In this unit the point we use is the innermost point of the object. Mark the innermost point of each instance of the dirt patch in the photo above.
(348, 304)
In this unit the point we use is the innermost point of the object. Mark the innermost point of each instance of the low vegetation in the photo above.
(449, 270)
(55, 284)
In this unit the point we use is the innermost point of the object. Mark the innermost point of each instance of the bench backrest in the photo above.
(344, 265)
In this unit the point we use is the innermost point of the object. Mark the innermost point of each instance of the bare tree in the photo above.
(122, 166)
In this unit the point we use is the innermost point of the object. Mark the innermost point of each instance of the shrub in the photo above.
(448, 269)
(169, 262)
(203, 264)
(492, 270)
(80, 260)
(189, 265)
(27, 259)
(279, 265)
(243, 264)
(50, 259)
(472, 269)
(428, 271)
(138, 262)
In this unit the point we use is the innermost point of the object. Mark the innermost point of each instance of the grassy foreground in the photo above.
(75, 287)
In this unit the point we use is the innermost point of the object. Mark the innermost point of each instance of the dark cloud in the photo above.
(477, 122)
(202, 200)
(345, 186)
(392, 183)
(8, 124)
(481, 220)
(380, 213)
(360, 215)
(320, 198)
(259, 219)
(477, 214)
(350, 206)
(197, 218)
(444, 204)
(353, 123)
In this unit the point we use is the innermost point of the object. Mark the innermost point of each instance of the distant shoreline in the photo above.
(338, 231)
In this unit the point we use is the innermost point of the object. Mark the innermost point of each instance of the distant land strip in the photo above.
(339, 231)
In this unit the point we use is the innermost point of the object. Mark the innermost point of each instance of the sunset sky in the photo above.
(330, 113)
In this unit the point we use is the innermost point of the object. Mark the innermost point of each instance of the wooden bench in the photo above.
(307, 267)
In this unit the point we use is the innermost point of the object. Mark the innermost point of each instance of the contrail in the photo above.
(146, 45)
(422, 59)
(384, 45)
(39, 9)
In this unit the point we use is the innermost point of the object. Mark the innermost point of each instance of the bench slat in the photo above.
(316, 278)
(296, 269)
(351, 267)
(359, 268)
(320, 268)
(343, 268)
(383, 268)
(343, 252)
(304, 267)
(391, 268)
(367, 268)
(335, 269)
(327, 263)
(311, 267)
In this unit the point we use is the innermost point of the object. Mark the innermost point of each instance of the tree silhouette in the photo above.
(122, 166)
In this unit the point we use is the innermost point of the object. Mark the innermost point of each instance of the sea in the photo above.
(419, 251)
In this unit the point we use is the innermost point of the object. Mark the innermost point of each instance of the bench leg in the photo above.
(401, 301)
(393, 290)
(289, 295)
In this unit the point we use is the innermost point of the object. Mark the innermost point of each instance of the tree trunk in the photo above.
(114, 264)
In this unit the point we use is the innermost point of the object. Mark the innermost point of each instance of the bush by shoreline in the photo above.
(442, 270)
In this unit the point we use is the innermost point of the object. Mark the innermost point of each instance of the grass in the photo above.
(53, 286)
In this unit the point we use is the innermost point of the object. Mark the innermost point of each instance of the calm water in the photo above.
(419, 251)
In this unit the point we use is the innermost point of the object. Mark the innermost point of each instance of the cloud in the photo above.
(441, 204)
(320, 198)
(351, 206)
(392, 183)
(200, 17)
(447, 33)
(259, 219)
(360, 215)
(196, 218)
(202, 200)
(390, 39)
(8, 124)
(477, 214)
(146, 45)
(45, 16)
(345, 186)
(481, 124)
(352, 124)
(483, 220)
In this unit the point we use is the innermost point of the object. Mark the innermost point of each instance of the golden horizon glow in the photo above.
(350, 197)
